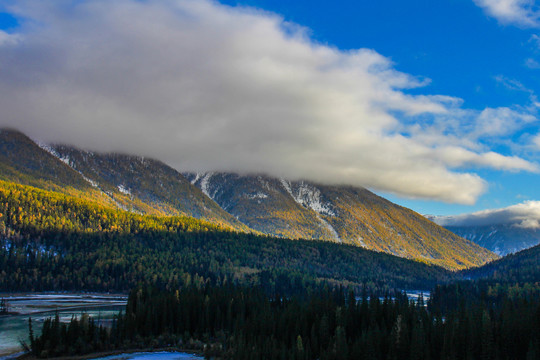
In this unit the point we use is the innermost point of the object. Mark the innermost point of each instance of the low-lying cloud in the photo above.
(203, 86)
(524, 215)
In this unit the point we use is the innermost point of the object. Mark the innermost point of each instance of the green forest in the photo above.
(460, 321)
(236, 295)
(50, 241)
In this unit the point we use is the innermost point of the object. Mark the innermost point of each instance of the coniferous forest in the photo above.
(237, 295)
(234, 322)
(50, 241)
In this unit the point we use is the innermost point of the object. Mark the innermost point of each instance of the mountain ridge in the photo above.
(260, 203)
(502, 238)
(346, 214)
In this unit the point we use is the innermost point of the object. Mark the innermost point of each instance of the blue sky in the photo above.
(456, 82)
(454, 43)
(463, 50)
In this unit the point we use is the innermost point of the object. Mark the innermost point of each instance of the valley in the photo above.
(126, 224)
(247, 203)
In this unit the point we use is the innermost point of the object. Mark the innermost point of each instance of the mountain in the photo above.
(344, 214)
(126, 182)
(24, 162)
(501, 238)
(52, 241)
(144, 185)
(523, 266)
(290, 209)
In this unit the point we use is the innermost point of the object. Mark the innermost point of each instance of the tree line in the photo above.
(236, 322)
(50, 241)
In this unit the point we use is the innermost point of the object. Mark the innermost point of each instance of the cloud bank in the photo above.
(522, 13)
(203, 87)
(525, 215)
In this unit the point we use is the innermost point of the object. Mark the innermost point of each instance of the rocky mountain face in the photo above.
(292, 209)
(345, 214)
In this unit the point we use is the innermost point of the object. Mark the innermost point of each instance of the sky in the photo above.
(431, 104)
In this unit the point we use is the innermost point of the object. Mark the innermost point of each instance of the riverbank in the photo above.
(40, 306)
(109, 355)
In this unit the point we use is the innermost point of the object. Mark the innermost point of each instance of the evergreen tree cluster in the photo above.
(520, 267)
(232, 322)
(50, 241)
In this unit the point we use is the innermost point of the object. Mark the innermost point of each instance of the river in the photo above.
(39, 306)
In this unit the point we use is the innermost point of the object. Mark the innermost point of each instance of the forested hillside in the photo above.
(51, 241)
(23, 161)
(145, 185)
(523, 266)
(344, 214)
(249, 203)
(117, 181)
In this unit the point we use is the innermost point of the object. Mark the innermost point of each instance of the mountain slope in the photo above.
(502, 236)
(51, 241)
(502, 239)
(149, 186)
(301, 209)
(523, 266)
(292, 209)
(127, 182)
(24, 162)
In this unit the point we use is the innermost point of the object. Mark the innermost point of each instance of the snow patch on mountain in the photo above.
(66, 160)
(123, 189)
(92, 182)
(265, 184)
(287, 186)
(310, 197)
(259, 195)
(205, 182)
(196, 178)
(330, 228)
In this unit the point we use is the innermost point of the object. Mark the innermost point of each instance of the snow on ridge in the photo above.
(123, 189)
(66, 160)
(92, 182)
(205, 183)
(197, 177)
(287, 186)
(259, 195)
(265, 184)
(308, 196)
(47, 148)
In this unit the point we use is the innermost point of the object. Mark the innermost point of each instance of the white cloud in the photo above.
(473, 130)
(204, 86)
(7, 39)
(535, 39)
(525, 215)
(523, 13)
(532, 63)
(536, 141)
